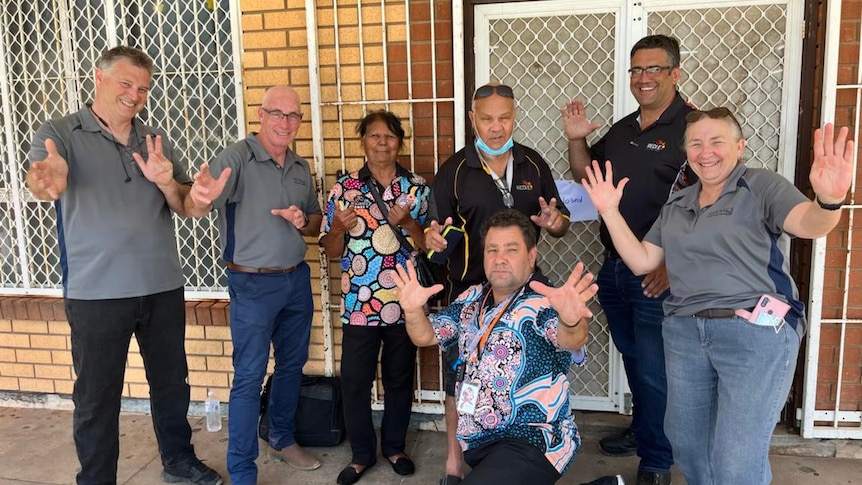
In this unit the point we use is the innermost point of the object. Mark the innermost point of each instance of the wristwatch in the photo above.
(829, 207)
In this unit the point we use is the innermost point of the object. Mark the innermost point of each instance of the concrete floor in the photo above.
(36, 448)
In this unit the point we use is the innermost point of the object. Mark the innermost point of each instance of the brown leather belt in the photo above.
(716, 313)
(248, 269)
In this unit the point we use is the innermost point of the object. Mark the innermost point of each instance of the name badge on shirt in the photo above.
(468, 398)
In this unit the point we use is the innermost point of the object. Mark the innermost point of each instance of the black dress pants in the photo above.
(359, 351)
(509, 461)
(101, 332)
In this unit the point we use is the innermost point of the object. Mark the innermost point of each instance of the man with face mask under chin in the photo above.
(488, 175)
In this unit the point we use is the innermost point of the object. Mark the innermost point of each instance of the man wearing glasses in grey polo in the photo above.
(266, 208)
(490, 174)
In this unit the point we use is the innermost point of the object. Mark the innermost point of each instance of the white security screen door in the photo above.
(738, 54)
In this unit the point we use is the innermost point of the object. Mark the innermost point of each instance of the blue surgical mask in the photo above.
(481, 145)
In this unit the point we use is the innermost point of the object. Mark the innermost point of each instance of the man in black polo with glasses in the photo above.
(115, 183)
(646, 147)
(490, 174)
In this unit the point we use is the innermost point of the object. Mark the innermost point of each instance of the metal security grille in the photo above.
(193, 97)
(832, 363)
(734, 54)
(367, 56)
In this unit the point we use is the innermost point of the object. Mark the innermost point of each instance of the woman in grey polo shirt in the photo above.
(733, 321)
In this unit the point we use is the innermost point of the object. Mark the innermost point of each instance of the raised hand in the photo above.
(601, 188)
(157, 169)
(832, 168)
(292, 214)
(206, 189)
(434, 239)
(570, 299)
(49, 176)
(411, 295)
(549, 216)
(575, 122)
(345, 219)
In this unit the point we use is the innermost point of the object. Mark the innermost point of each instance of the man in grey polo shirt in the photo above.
(268, 205)
(114, 182)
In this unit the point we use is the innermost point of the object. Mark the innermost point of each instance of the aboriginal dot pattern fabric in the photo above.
(371, 250)
(521, 373)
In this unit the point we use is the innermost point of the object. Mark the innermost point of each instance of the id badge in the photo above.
(468, 398)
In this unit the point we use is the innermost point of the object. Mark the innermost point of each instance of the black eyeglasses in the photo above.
(277, 115)
(649, 70)
(489, 89)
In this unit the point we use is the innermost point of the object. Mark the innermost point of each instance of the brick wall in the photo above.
(838, 251)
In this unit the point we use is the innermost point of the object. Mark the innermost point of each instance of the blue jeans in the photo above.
(101, 332)
(635, 321)
(265, 308)
(727, 382)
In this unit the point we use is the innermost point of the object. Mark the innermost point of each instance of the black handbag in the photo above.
(319, 413)
(423, 267)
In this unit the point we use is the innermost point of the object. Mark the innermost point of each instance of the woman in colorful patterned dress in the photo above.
(357, 230)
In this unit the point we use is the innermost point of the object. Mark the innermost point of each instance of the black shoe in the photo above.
(609, 480)
(450, 480)
(403, 466)
(652, 478)
(349, 475)
(624, 444)
(192, 471)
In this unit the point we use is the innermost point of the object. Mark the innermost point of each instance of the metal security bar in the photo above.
(194, 98)
(824, 413)
(374, 65)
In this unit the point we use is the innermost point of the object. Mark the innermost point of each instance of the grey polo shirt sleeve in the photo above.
(776, 196)
(37, 146)
(311, 205)
(653, 236)
(232, 157)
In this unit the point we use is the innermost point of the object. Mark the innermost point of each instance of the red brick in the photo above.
(191, 318)
(33, 310)
(7, 308)
(20, 305)
(202, 313)
(219, 313)
(46, 308)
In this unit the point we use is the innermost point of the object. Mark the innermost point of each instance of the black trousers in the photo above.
(509, 461)
(101, 332)
(359, 350)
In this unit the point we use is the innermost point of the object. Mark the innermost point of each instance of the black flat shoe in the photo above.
(349, 475)
(403, 466)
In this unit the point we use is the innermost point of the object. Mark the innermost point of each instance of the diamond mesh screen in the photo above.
(734, 57)
(192, 97)
(731, 57)
(548, 60)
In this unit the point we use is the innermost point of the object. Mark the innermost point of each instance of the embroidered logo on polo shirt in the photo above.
(656, 146)
(720, 212)
(525, 185)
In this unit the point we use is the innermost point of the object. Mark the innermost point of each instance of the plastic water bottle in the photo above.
(213, 409)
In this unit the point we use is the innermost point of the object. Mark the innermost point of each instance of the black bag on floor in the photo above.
(319, 415)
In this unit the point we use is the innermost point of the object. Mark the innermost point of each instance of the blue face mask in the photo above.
(480, 143)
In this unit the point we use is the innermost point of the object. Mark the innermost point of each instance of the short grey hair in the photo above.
(136, 56)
